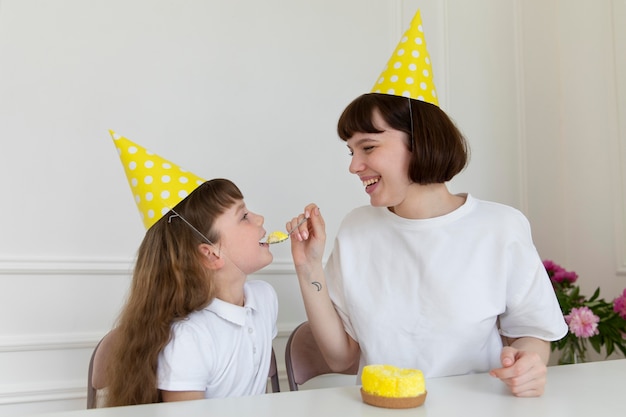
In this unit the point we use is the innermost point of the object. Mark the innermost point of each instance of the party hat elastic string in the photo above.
(411, 116)
(169, 220)
(219, 250)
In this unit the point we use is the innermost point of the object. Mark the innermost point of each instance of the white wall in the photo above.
(226, 87)
(575, 131)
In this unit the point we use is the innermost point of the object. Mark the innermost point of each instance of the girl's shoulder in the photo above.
(192, 327)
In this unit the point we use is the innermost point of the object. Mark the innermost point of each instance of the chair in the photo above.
(273, 374)
(304, 360)
(96, 378)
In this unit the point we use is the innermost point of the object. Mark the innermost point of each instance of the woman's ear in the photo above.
(210, 256)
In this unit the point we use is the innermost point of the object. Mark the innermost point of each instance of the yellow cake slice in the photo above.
(391, 387)
(276, 237)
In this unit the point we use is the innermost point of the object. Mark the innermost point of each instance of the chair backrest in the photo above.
(96, 379)
(273, 374)
(304, 359)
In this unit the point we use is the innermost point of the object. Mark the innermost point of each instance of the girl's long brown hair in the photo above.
(169, 282)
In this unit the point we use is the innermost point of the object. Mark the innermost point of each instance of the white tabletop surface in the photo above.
(589, 389)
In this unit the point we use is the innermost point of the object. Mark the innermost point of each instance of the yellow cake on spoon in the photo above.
(276, 237)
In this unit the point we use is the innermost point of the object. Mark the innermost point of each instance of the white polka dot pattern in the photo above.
(408, 72)
(157, 184)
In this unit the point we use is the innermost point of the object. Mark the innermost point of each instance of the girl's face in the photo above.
(240, 232)
(381, 160)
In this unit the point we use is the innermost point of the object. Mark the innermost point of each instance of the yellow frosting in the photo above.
(277, 237)
(391, 381)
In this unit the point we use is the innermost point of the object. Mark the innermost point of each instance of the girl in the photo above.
(193, 327)
(424, 278)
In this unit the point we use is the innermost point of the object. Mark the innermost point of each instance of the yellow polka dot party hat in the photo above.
(156, 183)
(409, 72)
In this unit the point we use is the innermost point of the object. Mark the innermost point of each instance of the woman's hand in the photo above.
(308, 240)
(524, 367)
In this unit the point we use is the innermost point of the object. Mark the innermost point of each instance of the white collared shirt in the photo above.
(223, 349)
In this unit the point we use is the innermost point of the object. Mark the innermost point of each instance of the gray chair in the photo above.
(304, 359)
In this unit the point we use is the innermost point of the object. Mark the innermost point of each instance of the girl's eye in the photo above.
(245, 216)
(368, 148)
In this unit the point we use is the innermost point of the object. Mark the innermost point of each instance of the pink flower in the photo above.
(565, 276)
(558, 274)
(619, 305)
(551, 267)
(582, 322)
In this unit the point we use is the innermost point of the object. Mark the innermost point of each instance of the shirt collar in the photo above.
(234, 314)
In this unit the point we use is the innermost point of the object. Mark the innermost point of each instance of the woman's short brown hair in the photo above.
(439, 149)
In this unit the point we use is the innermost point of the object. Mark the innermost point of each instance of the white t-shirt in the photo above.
(427, 294)
(223, 349)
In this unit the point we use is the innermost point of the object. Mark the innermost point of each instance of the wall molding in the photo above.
(65, 266)
(618, 11)
(84, 340)
(522, 138)
(72, 390)
(41, 392)
(114, 267)
(50, 341)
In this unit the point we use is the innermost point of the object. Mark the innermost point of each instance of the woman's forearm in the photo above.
(532, 344)
(338, 348)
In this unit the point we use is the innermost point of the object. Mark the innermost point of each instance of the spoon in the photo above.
(278, 236)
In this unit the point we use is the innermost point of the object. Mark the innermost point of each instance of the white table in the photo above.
(589, 389)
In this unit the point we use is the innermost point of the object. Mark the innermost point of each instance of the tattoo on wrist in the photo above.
(317, 285)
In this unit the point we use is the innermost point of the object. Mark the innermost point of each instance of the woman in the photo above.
(424, 278)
